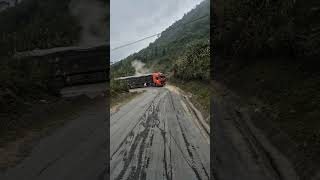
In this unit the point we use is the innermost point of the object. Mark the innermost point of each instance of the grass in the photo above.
(120, 93)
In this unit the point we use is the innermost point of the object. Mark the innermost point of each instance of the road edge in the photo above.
(195, 111)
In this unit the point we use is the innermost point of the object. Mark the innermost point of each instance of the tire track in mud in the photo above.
(148, 121)
(258, 152)
(135, 150)
(193, 155)
(131, 134)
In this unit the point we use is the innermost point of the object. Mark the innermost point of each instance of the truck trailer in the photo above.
(156, 79)
(70, 66)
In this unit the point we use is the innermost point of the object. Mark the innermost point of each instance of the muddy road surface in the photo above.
(240, 150)
(157, 136)
(77, 151)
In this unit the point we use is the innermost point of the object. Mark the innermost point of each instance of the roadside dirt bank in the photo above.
(243, 134)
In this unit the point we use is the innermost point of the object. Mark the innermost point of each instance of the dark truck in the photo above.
(71, 65)
(156, 79)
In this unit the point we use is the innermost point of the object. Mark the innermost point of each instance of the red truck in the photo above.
(156, 79)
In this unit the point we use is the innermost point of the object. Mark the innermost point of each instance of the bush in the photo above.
(21, 82)
(117, 87)
(267, 28)
(195, 63)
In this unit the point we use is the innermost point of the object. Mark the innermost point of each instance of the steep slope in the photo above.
(161, 55)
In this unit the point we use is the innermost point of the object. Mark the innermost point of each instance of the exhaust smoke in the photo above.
(139, 67)
(92, 16)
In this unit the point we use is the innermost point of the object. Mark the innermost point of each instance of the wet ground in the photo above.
(240, 150)
(157, 136)
(78, 150)
(91, 90)
(154, 136)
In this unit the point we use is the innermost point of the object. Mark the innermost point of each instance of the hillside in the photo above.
(269, 28)
(174, 42)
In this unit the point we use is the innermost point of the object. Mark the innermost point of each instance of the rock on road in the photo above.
(156, 136)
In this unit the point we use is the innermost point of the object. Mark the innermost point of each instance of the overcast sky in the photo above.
(135, 19)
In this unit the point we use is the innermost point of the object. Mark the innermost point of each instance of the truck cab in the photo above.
(159, 79)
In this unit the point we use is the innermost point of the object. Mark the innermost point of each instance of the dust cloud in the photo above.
(139, 67)
(93, 18)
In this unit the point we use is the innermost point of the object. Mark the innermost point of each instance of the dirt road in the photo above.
(241, 150)
(157, 136)
(77, 151)
(154, 136)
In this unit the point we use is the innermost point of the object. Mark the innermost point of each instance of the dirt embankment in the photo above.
(199, 94)
(283, 95)
(198, 110)
(237, 141)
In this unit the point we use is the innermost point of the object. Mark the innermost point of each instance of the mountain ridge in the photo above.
(173, 43)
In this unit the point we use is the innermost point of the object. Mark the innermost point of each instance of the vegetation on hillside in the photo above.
(21, 81)
(117, 88)
(173, 44)
(194, 64)
(119, 93)
(192, 74)
(269, 28)
(122, 68)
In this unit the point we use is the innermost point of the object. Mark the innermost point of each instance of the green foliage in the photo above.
(117, 88)
(200, 91)
(21, 74)
(20, 82)
(267, 28)
(122, 68)
(195, 63)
